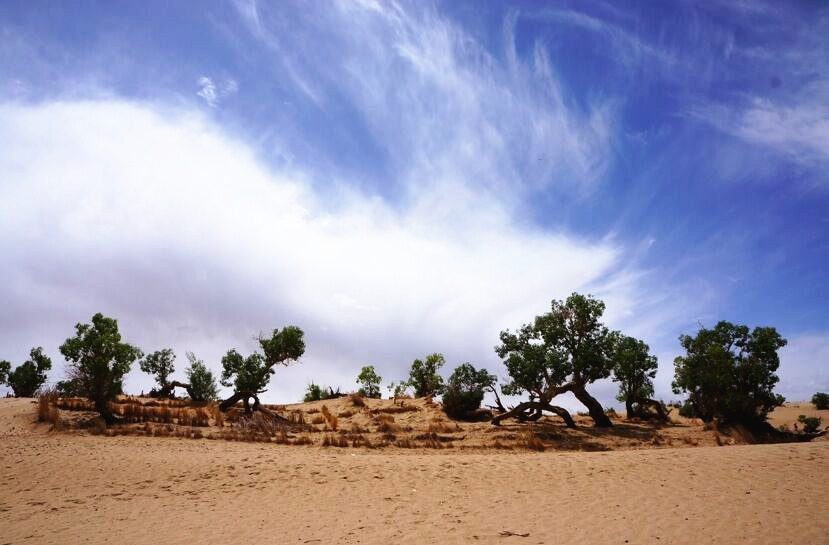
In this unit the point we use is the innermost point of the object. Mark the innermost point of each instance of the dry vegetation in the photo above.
(355, 422)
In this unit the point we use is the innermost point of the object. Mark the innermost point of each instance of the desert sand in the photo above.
(74, 487)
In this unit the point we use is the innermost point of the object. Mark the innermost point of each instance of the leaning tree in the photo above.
(559, 352)
(249, 376)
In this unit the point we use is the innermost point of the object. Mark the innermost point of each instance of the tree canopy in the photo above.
(201, 384)
(29, 376)
(370, 382)
(728, 372)
(561, 351)
(424, 377)
(99, 360)
(160, 365)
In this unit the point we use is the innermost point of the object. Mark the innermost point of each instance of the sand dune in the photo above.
(77, 488)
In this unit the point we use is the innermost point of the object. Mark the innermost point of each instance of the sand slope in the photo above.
(61, 488)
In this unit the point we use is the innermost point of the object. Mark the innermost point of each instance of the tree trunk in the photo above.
(535, 405)
(167, 391)
(600, 419)
(629, 408)
(235, 398)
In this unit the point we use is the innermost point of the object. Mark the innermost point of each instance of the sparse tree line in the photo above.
(728, 372)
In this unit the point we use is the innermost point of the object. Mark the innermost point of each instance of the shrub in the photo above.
(29, 375)
(203, 385)
(465, 390)
(810, 423)
(821, 401)
(357, 400)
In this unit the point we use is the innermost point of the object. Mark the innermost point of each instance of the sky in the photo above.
(403, 178)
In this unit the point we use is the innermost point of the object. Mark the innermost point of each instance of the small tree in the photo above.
(99, 360)
(821, 401)
(561, 351)
(728, 372)
(313, 393)
(249, 376)
(370, 382)
(160, 365)
(465, 390)
(633, 368)
(202, 383)
(424, 377)
(29, 376)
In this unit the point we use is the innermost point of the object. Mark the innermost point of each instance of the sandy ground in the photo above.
(69, 488)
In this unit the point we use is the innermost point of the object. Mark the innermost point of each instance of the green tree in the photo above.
(370, 382)
(465, 390)
(821, 401)
(98, 361)
(424, 377)
(249, 376)
(29, 376)
(160, 365)
(201, 382)
(728, 372)
(561, 351)
(633, 368)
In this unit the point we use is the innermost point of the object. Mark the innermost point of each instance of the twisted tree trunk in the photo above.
(522, 409)
(600, 419)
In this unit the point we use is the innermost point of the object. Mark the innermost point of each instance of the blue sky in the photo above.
(405, 178)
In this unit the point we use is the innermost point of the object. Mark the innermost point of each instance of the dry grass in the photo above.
(386, 424)
(439, 426)
(394, 409)
(357, 400)
(47, 411)
(531, 441)
(331, 440)
(318, 419)
(348, 413)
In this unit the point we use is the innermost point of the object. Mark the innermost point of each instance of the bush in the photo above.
(424, 377)
(687, 410)
(810, 423)
(202, 382)
(370, 382)
(821, 401)
(465, 391)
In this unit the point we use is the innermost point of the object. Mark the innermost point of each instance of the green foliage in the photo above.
(252, 374)
(313, 393)
(687, 410)
(29, 376)
(729, 372)
(424, 377)
(160, 365)
(633, 368)
(69, 388)
(465, 390)
(400, 389)
(821, 401)
(810, 423)
(370, 382)
(99, 360)
(5, 367)
(202, 382)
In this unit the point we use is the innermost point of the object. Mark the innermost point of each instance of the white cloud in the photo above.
(213, 94)
(158, 218)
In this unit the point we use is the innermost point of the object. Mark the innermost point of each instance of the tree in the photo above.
(370, 382)
(313, 393)
(424, 377)
(465, 390)
(820, 401)
(99, 360)
(561, 351)
(202, 384)
(29, 376)
(160, 365)
(249, 376)
(633, 369)
(728, 372)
